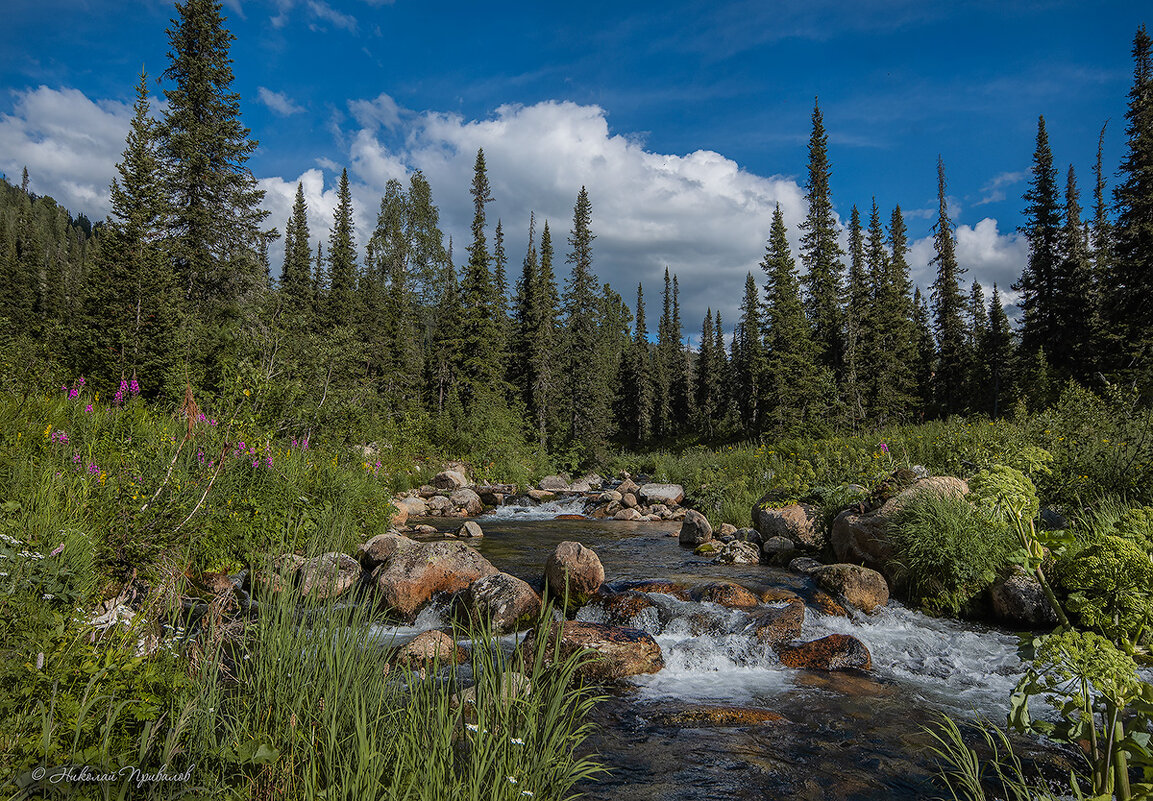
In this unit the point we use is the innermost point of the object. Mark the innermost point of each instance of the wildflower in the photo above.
(526, 792)
(88, 408)
(511, 779)
(56, 551)
(93, 469)
(73, 393)
(256, 463)
(471, 726)
(133, 386)
(80, 383)
(47, 596)
(884, 449)
(516, 741)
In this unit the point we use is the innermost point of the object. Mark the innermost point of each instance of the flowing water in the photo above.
(848, 735)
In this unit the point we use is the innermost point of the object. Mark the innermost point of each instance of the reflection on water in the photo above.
(841, 736)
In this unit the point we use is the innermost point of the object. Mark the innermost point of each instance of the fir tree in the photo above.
(480, 329)
(998, 358)
(1039, 282)
(891, 346)
(976, 324)
(797, 387)
(706, 378)
(926, 350)
(1077, 342)
(296, 277)
(132, 293)
(820, 252)
(216, 214)
(749, 360)
(545, 311)
(339, 305)
(668, 346)
(948, 310)
(1131, 277)
(723, 371)
(858, 307)
(682, 400)
(634, 407)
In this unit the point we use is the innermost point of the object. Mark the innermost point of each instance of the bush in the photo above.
(1003, 492)
(946, 551)
(1110, 586)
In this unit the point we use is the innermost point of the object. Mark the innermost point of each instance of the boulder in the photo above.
(413, 506)
(804, 565)
(586, 484)
(573, 569)
(622, 608)
(724, 593)
(506, 601)
(424, 529)
(467, 500)
(554, 483)
(628, 500)
(1018, 599)
(470, 529)
(695, 529)
(708, 548)
(426, 491)
(328, 575)
(611, 495)
(399, 515)
(429, 648)
(379, 549)
(617, 651)
(778, 550)
(414, 574)
(542, 495)
(835, 652)
(861, 587)
(449, 480)
(945, 486)
(827, 605)
(440, 504)
(661, 586)
(668, 494)
(738, 553)
(627, 514)
(799, 522)
(727, 530)
(627, 486)
(779, 623)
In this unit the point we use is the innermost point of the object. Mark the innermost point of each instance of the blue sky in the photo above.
(687, 121)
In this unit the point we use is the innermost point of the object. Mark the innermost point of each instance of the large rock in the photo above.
(586, 484)
(726, 594)
(469, 501)
(668, 494)
(507, 602)
(554, 483)
(379, 549)
(738, 553)
(861, 587)
(799, 522)
(862, 539)
(414, 506)
(628, 486)
(778, 623)
(695, 529)
(429, 648)
(574, 570)
(835, 652)
(328, 575)
(626, 514)
(617, 651)
(1018, 598)
(449, 480)
(399, 515)
(470, 529)
(414, 574)
(622, 608)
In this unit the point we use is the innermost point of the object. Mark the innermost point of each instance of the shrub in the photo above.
(1003, 492)
(1110, 586)
(946, 551)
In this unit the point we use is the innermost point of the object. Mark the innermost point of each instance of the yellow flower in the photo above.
(247, 393)
(47, 431)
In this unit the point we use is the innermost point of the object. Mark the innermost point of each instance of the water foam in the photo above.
(545, 511)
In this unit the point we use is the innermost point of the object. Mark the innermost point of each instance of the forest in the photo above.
(192, 435)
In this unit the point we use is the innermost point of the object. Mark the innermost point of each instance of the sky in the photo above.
(686, 121)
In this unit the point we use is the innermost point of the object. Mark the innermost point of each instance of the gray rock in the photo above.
(1018, 598)
(861, 587)
(738, 553)
(799, 522)
(449, 480)
(467, 500)
(573, 569)
(668, 494)
(328, 575)
(507, 602)
(695, 529)
(470, 529)
(804, 565)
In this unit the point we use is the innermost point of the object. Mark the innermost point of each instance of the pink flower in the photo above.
(88, 408)
(884, 448)
(56, 551)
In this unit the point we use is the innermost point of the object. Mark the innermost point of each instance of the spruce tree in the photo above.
(682, 400)
(587, 392)
(926, 354)
(821, 252)
(948, 310)
(749, 359)
(797, 386)
(668, 346)
(545, 314)
(1039, 284)
(296, 277)
(722, 383)
(976, 324)
(1131, 277)
(216, 214)
(342, 269)
(520, 367)
(998, 358)
(480, 328)
(706, 379)
(131, 303)
(1078, 343)
(891, 346)
(634, 407)
(858, 308)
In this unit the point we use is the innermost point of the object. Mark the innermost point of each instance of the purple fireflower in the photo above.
(88, 408)
(73, 393)
(884, 449)
(133, 387)
(118, 398)
(93, 469)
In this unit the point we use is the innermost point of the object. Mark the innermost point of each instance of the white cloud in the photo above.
(381, 111)
(324, 11)
(994, 190)
(69, 143)
(279, 102)
(983, 251)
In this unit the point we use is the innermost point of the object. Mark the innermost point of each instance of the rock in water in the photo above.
(724, 593)
(779, 624)
(574, 570)
(380, 549)
(617, 651)
(738, 553)
(470, 529)
(863, 588)
(668, 494)
(695, 529)
(835, 652)
(414, 574)
(507, 602)
(1018, 598)
(414, 507)
(467, 500)
(328, 575)
(428, 648)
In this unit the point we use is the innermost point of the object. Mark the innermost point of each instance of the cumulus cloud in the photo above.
(279, 102)
(987, 255)
(69, 144)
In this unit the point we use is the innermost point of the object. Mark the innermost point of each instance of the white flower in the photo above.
(511, 780)
(471, 726)
(47, 596)
(526, 792)
(516, 741)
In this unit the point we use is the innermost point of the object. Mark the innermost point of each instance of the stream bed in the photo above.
(850, 735)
